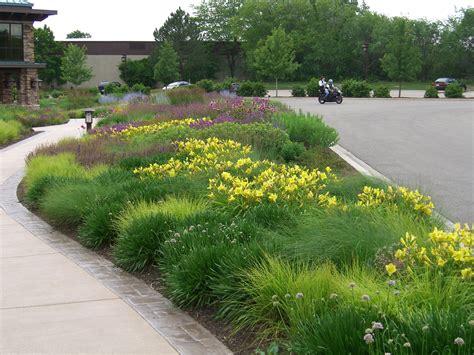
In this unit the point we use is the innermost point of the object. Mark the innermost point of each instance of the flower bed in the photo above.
(298, 254)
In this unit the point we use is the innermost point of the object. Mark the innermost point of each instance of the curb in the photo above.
(367, 170)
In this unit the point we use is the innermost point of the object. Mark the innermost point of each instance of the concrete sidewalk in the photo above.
(58, 298)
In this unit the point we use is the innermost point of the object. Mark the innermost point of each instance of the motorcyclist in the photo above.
(332, 88)
(323, 86)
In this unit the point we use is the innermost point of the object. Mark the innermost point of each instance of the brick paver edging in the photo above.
(185, 334)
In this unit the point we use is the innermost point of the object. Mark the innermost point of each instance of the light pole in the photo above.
(365, 48)
(124, 61)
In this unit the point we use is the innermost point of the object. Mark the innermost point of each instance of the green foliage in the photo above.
(167, 68)
(48, 51)
(275, 57)
(215, 20)
(349, 187)
(431, 93)
(402, 60)
(139, 71)
(186, 95)
(291, 151)
(73, 65)
(139, 87)
(313, 87)
(251, 88)
(10, 131)
(453, 91)
(355, 88)
(298, 91)
(63, 165)
(307, 129)
(263, 137)
(345, 236)
(78, 34)
(207, 85)
(382, 92)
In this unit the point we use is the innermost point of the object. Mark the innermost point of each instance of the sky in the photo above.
(135, 20)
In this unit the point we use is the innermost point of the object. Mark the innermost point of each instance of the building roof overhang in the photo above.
(21, 65)
(23, 13)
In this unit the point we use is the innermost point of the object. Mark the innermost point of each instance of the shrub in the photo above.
(307, 129)
(382, 92)
(142, 228)
(355, 88)
(93, 91)
(431, 93)
(291, 151)
(207, 85)
(313, 87)
(249, 88)
(298, 91)
(180, 96)
(453, 91)
(139, 87)
(10, 131)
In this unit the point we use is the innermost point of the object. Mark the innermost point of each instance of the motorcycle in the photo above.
(334, 96)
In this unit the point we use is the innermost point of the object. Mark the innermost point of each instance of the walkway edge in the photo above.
(184, 333)
(367, 170)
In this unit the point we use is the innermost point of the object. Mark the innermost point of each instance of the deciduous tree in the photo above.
(48, 51)
(402, 60)
(73, 65)
(275, 57)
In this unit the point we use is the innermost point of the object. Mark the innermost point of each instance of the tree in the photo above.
(183, 33)
(137, 72)
(214, 18)
(73, 65)
(402, 60)
(275, 57)
(48, 51)
(78, 34)
(167, 68)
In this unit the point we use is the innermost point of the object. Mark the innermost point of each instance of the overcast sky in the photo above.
(136, 19)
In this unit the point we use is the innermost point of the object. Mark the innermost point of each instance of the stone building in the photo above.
(18, 70)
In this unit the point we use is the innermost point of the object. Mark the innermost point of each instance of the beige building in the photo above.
(104, 57)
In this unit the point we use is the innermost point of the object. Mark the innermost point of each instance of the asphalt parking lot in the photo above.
(421, 143)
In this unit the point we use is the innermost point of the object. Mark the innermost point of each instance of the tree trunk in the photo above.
(400, 89)
(276, 86)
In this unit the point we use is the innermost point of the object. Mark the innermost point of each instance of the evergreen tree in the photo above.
(167, 68)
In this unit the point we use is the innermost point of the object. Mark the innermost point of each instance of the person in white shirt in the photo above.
(323, 86)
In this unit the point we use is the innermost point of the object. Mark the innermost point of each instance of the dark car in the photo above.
(442, 83)
(103, 84)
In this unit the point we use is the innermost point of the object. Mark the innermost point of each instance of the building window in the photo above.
(11, 42)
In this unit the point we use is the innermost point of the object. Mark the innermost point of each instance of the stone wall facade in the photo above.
(28, 43)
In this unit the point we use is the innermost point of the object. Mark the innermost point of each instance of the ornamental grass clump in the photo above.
(307, 129)
(10, 131)
(142, 227)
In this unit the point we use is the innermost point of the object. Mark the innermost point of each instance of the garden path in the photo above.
(58, 297)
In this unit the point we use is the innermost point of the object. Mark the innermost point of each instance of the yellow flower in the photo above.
(400, 254)
(466, 273)
(440, 262)
(391, 268)
(272, 197)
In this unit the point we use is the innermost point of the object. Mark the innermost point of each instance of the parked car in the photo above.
(442, 83)
(103, 84)
(176, 84)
